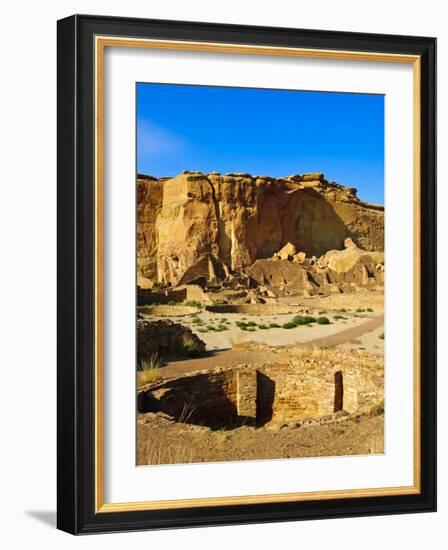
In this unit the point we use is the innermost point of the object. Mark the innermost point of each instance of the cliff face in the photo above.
(232, 220)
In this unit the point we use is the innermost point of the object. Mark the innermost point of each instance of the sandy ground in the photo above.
(370, 341)
(233, 336)
(160, 442)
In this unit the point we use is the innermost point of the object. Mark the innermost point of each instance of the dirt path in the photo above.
(238, 356)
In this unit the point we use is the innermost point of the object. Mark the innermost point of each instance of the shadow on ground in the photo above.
(48, 517)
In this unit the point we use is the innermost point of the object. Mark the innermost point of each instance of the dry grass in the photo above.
(316, 353)
(150, 370)
(158, 453)
(376, 444)
(190, 346)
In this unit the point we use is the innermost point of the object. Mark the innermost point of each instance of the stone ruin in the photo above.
(275, 394)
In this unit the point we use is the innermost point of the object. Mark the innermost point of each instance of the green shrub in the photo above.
(381, 336)
(289, 325)
(359, 310)
(302, 320)
(337, 317)
(323, 321)
(263, 327)
(202, 329)
(274, 325)
(251, 324)
(370, 309)
(211, 327)
(343, 310)
(189, 345)
(221, 328)
(171, 303)
(196, 321)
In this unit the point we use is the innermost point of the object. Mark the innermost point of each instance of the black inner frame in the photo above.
(76, 262)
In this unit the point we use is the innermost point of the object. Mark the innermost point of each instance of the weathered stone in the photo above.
(287, 252)
(165, 338)
(272, 394)
(236, 219)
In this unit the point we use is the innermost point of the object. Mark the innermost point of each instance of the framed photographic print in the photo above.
(246, 270)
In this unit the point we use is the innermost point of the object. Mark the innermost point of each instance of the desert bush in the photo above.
(202, 329)
(289, 325)
(251, 324)
(149, 370)
(274, 325)
(196, 321)
(343, 310)
(189, 345)
(359, 310)
(370, 309)
(323, 321)
(153, 362)
(378, 409)
(263, 327)
(381, 336)
(337, 317)
(221, 328)
(171, 303)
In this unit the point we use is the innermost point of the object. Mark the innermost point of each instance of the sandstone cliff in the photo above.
(222, 223)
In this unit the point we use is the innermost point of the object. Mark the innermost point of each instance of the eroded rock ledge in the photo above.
(220, 224)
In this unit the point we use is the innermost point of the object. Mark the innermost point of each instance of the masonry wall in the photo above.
(282, 393)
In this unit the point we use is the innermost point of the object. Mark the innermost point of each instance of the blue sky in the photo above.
(266, 132)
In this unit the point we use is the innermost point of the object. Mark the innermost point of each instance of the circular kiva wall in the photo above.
(258, 394)
(255, 309)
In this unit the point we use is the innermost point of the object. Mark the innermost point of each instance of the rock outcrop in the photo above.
(165, 338)
(209, 225)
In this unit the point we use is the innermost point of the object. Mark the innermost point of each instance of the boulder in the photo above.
(287, 252)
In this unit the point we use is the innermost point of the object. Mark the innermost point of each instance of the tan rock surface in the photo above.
(236, 219)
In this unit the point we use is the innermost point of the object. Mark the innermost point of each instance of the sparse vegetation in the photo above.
(359, 310)
(171, 303)
(338, 317)
(189, 345)
(377, 409)
(303, 320)
(381, 336)
(323, 321)
(251, 325)
(320, 353)
(149, 370)
(274, 325)
(369, 309)
(262, 327)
